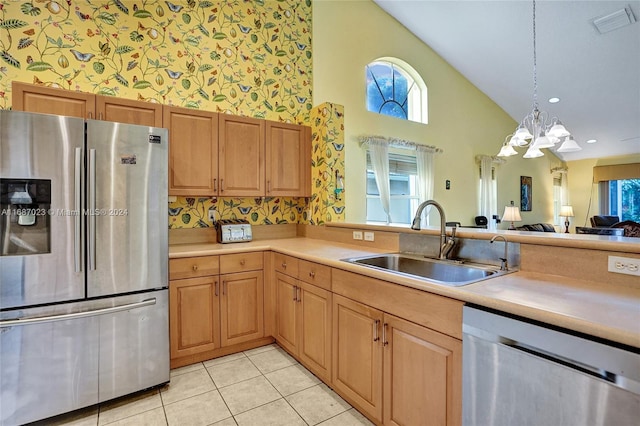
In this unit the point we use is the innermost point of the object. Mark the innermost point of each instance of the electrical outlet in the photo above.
(357, 235)
(624, 265)
(368, 236)
(212, 215)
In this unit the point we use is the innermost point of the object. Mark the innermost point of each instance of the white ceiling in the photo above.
(596, 76)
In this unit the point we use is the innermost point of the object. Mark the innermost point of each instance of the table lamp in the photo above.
(511, 214)
(566, 212)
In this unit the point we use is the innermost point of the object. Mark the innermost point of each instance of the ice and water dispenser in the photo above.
(25, 225)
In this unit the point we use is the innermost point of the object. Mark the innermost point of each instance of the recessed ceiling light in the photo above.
(591, 141)
(554, 100)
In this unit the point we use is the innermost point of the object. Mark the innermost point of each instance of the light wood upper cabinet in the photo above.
(194, 314)
(241, 307)
(288, 165)
(46, 100)
(129, 111)
(422, 375)
(193, 151)
(357, 354)
(242, 165)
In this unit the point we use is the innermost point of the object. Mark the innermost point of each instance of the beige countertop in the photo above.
(593, 308)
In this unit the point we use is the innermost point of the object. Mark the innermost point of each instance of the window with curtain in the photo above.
(560, 194)
(488, 189)
(621, 198)
(403, 190)
(619, 190)
(394, 88)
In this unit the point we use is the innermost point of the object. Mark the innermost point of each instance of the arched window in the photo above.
(394, 88)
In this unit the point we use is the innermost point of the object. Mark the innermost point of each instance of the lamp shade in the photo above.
(569, 145)
(566, 211)
(511, 214)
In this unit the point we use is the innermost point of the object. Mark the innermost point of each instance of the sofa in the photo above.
(537, 227)
(601, 221)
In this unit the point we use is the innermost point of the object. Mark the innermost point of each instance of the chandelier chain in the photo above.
(535, 71)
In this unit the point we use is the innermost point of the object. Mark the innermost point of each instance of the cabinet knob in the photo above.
(242, 262)
(194, 267)
(312, 274)
(284, 265)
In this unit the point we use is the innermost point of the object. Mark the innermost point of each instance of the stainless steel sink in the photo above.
(432, 270)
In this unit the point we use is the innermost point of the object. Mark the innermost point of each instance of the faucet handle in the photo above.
(503, 264)
(453, 231)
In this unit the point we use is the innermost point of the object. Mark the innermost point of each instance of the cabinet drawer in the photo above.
(241, 262)
(314, 273)
(190, 267)
(285, 264)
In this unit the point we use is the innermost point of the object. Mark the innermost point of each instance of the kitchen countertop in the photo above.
(592, 308)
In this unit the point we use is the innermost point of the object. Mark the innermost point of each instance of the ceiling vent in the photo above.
(613, 21)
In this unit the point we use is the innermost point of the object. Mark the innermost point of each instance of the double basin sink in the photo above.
(444, 272)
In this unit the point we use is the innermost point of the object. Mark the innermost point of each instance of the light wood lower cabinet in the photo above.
(241, 307)
(422, 375)
(357, 354)
(397, 372)
(194, 312)
(303, 322)
(215, 303)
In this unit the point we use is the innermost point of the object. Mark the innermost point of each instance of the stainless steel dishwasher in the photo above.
(518, 372)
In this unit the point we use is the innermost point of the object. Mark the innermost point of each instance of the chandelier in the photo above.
(537, 130)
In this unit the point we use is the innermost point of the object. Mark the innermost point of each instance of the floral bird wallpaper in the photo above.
(241, 57)
(248, 58)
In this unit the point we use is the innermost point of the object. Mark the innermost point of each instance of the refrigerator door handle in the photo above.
(92, 210)
(77, 241)
(77, 315)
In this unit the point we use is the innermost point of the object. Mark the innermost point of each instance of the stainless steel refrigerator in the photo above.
(83, 263)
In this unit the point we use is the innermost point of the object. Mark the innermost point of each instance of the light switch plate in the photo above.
(624, 265)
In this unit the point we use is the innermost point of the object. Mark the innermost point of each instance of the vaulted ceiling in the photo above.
(596, 76)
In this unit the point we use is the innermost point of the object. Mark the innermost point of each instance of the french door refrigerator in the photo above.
(83, 263)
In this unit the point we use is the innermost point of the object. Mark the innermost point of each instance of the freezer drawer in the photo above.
(47, 368)
(58, 359)
(134, 346)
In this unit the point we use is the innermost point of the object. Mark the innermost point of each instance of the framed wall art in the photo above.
(526, 200)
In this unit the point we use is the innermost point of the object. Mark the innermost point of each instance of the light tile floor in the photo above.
(261, 386)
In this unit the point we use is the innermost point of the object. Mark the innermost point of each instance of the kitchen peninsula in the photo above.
(561, 281)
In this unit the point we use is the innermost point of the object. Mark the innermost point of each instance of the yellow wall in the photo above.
(464, 122)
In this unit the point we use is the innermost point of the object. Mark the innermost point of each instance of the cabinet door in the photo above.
(241, 156)
(286, 307)
(288, 159)
(422, 375)
(45, 100)
(121, 110)
(194, 316)
(357, 354)
(314, 323)
(193, 151)
(241, 307)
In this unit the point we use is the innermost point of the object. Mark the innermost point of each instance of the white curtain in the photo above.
(564, 189)
(379, 153)
(424, 162)
(488, 196)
